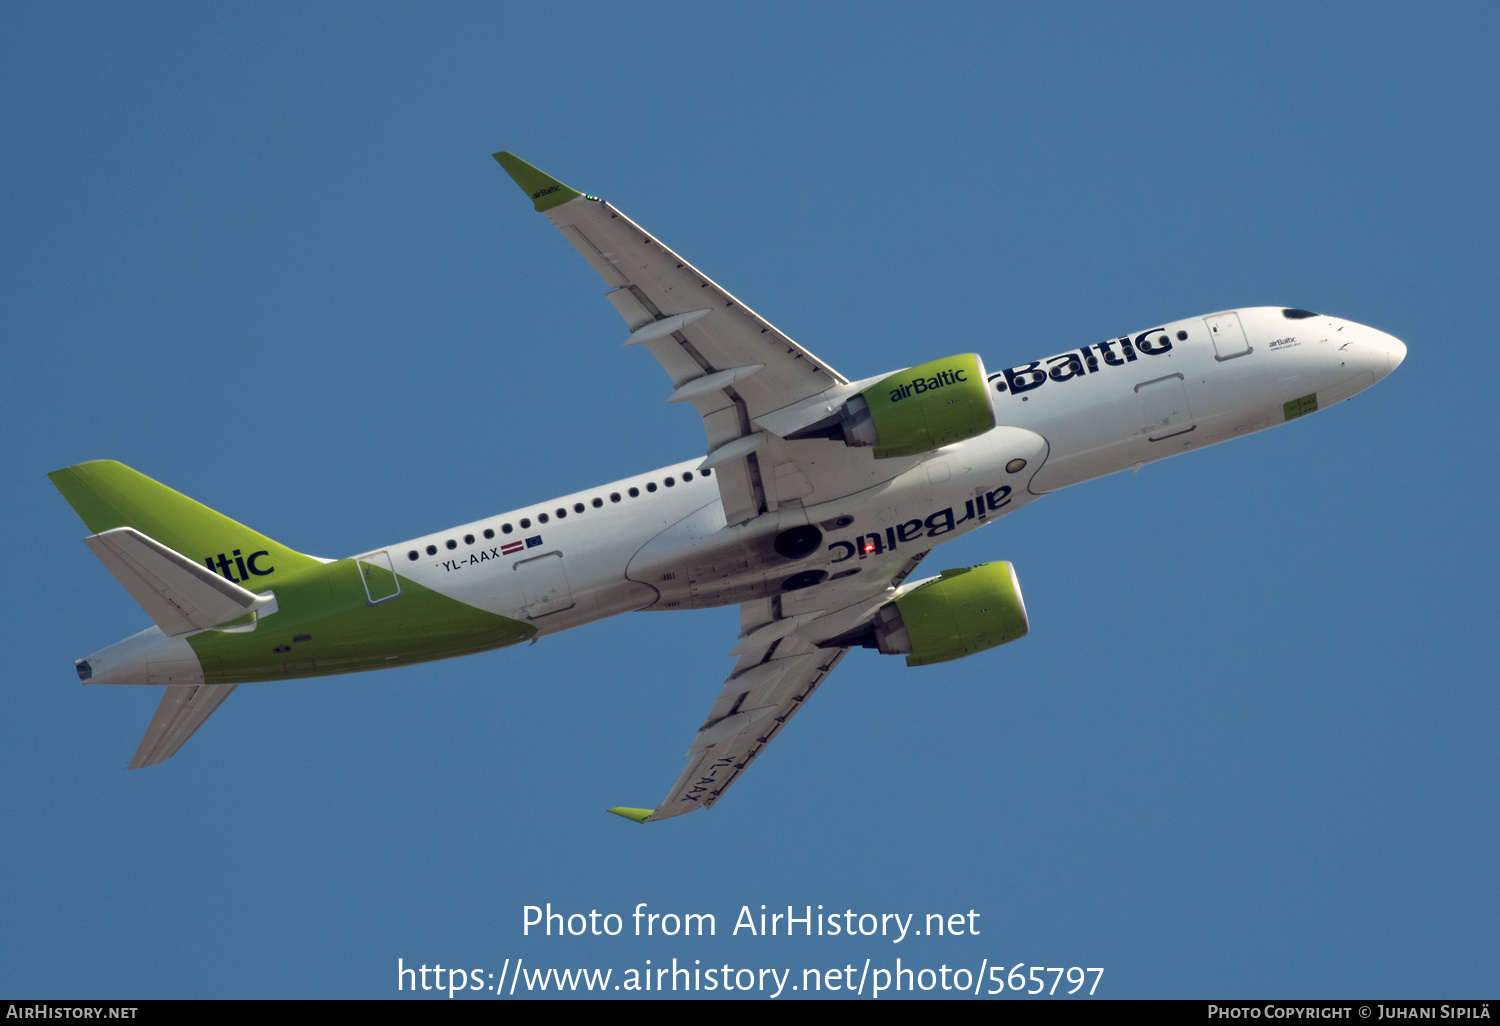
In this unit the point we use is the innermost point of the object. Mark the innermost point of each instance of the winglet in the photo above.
(634, 815)
(545, 191)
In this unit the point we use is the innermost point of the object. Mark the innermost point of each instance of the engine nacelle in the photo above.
(955, 615)
(917, 410)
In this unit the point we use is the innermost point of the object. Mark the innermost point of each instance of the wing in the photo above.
(183, 709)
(726, 360)
(753, 387)
(749, 713)
(784, 656)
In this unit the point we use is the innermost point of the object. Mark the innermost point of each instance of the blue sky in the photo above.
(263, 255)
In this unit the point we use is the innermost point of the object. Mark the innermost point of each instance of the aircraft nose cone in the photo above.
(1393, 349)
(1370, 349)
(1397, 351)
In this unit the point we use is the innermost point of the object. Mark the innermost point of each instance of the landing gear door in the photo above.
(379, 576)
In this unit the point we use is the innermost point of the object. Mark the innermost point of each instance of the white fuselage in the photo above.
(1072, 417)
(659, 540)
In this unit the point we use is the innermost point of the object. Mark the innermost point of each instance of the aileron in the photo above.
(725, 746)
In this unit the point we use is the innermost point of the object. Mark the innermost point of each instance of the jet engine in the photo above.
(917, 410)
(951, 616)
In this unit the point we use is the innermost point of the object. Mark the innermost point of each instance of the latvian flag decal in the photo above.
(512, 548)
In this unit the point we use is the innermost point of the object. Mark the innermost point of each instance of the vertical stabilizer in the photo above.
(106, 494)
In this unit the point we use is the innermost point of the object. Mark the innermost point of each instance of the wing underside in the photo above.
(753, 386)
(728, 362)
(749, 713)
(780, 663)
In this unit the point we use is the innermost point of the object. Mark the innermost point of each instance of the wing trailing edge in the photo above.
(731, 367)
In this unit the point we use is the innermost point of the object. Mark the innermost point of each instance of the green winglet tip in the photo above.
(545, 191)
(634, 815)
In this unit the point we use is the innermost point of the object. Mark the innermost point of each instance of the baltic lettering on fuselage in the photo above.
(1080, 362)
(932, 526)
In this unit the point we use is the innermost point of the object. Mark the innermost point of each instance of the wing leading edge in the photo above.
(780, 664)
(728, 362)
(749, 713)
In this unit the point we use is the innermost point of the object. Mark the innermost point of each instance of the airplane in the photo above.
(816, 501)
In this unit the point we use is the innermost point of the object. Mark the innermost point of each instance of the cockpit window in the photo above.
(1297, 315)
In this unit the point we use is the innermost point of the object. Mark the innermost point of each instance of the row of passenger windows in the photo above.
(561, 513)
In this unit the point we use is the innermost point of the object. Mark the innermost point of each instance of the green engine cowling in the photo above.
(929, 406)
(920, 409)
(955, 615)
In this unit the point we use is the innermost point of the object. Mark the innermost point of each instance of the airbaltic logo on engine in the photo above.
(917, 386)
(1083, 361)
(226, 565)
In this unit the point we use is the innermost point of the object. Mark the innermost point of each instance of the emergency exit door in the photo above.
(1164, 406)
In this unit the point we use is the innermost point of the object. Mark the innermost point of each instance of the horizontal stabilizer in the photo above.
(177, 593)
(183, 709)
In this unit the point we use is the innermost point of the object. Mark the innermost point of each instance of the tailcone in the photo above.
(149, 657)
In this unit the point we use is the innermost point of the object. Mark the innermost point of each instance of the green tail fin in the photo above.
(106, 494)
